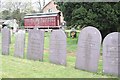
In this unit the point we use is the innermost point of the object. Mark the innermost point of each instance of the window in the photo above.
(49, 10)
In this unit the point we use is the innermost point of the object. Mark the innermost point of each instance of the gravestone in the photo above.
(19, 44)
(0, 42)
(35, 45)
(58, 47)
(88, 51)
(5, 41)
(111, 54)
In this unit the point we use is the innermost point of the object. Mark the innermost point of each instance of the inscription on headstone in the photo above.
(19, 44)
(58, 47)
(111, 54)
(5, 41)
(35, 45)
(88, 50)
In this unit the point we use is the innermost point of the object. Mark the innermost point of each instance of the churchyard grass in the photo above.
(13, 67)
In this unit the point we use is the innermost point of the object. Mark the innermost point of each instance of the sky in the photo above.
(23, 0)
(46, 1)
(32, 1)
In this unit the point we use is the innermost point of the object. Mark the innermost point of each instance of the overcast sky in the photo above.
(23, 0)
(32, 1)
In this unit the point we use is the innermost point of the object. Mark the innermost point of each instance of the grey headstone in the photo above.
(58, 47)
(0, 42)
(35, 45)
(88, 51)
(5, 41)
(119, 53)
(19, 44)
(111, 54)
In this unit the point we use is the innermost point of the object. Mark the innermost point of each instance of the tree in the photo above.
(38, 3)
(105, 16)
(22, 6)
(16, 10)
(5, 14)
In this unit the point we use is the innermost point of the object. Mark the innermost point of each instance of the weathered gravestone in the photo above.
(58, 47)
(111, 54)
(0, 42)
(5, 41)
(35, 45)
(19, 44)
(88, 51)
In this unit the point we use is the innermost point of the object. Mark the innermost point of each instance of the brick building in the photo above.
(51, 7)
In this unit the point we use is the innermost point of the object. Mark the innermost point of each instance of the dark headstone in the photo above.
(19, 44)
(88, 51)
(58, 47)
(35, 45)
(5, 41)
(111, 54)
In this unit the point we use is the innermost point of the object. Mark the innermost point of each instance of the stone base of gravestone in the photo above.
(88, 51)
(35, 45)
(111, 54)
(19, 44)
(5, 41)
(58, 47)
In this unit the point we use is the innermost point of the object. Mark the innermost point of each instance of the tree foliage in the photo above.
(103, 15)
(15, 10)
(5, 14)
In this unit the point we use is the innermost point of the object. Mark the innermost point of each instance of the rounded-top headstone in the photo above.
(88, 50)
(111, 54)
(58, 47)
(5, 41)
(19, 44)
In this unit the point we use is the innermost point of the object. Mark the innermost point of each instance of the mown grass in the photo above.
(13, 67)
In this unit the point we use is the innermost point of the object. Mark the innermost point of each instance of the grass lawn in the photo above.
(13, 67)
